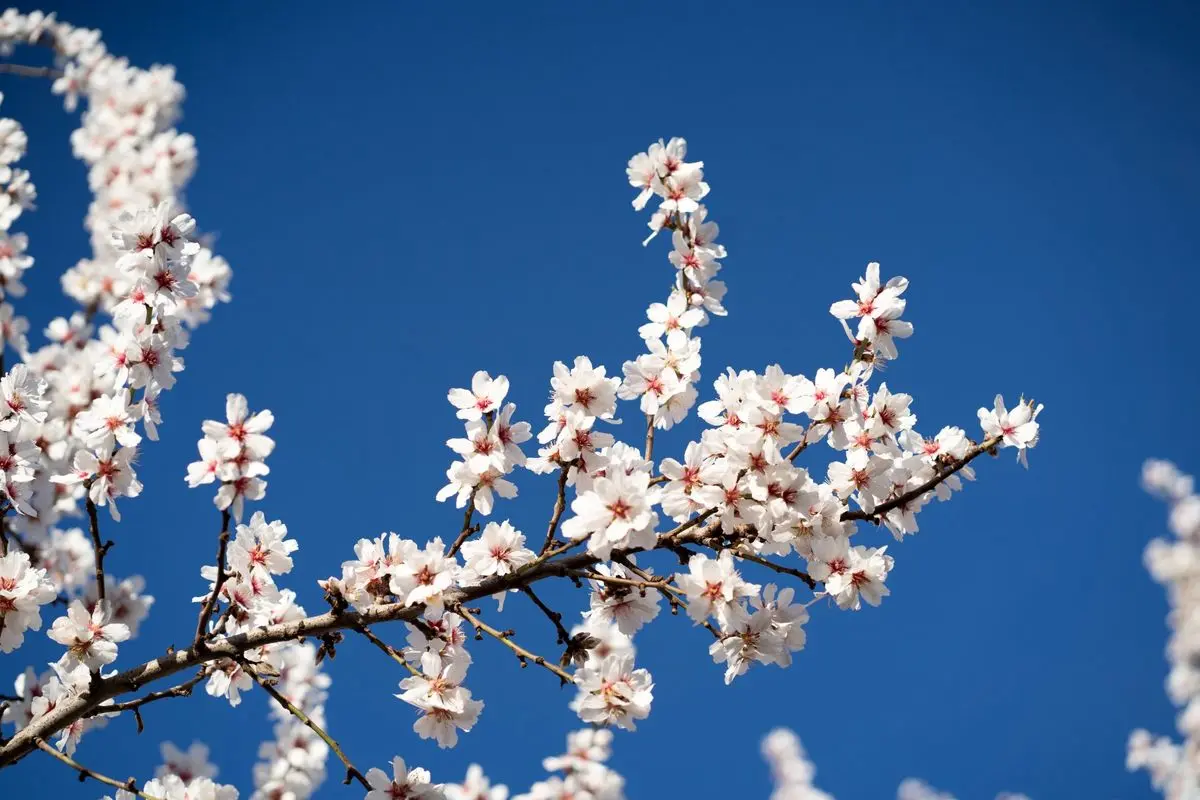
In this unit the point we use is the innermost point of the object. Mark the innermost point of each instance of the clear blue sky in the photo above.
(408, 194)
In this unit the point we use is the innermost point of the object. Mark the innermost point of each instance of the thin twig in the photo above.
(560, 505)
(84, 773)
(649, 438)
(387, 648)
(780, 568)
(467, 530)
(100, 549)
(674, 596)
(182, 690)
(802, 445)
(31, 72)
(622, 583)
(987, 446)
(211, 602)
(551, 614)
(505, 637)
(351, 771)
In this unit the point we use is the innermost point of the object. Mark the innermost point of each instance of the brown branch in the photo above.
(85, 773)
(505, 638)
(621, 583)
(547, 565)
(182, 690)
(987, 446)
(560, 505)
(31, 72)
(551, 614)
(211, 602)
(100, 549)
(674, 596)
(351, 771)
(802, 445)
(396, 655)
(742, 553)
(649, 438)
(467, 530)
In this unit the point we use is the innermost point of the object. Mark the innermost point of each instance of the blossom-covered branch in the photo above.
(627, 527)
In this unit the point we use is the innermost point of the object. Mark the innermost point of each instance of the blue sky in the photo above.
(408, 194)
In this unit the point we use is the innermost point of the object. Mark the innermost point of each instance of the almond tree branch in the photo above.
(467, 529)
(986, 446)
(560, 505)
(802, 445)
(549, 564)
(31, 72)
(85, 773)
(395, 654)
(742, 552)
(351, 771)
(100, 549)
(211, 602)
(649, 438)
(505, 638)
(674, 596)
(181, 690)
(551, 614)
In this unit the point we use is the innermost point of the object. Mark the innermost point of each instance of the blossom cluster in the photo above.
(793, 774)
(791, 770)
(491, 448)
(183, 775)
(234, 452)
(77, 409)
(292, 764)
(584, 772)
(1175, 768)
(662, 379)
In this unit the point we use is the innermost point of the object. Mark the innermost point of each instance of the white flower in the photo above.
(425, 575)
(262, 547)
(499, 550)
(23, 591)
(613, 693)
(89, 637)
(714, 588)
(616, 512)
(23, 398)
(1017, 428)
(245, 430)
(475, 786)
(408, 784)
(484, 396)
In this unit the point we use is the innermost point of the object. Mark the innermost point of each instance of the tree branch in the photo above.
(649, 439)
(182, 690)
(560, 505)
(551, 614)
(100, 549)
(987, 446)
(211, 602)
(546, 566)
(743, 553)
(31, 72)
(351, 771)
(467, 530)
(85, 773)
(395, 654)
(505, 638)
